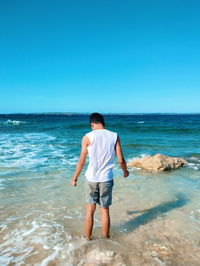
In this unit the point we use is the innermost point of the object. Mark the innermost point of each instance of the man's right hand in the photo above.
(73, 182)
(126, 174)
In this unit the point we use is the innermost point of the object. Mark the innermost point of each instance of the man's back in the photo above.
(101, 145)
(101, 155)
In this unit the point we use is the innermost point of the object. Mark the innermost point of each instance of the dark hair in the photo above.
(97, 118)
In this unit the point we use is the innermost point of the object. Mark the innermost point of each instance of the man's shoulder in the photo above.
(112, 132)
(90, 136)
(89, 133)
(107, 131)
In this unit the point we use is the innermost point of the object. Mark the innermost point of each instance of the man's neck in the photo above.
(98, 127)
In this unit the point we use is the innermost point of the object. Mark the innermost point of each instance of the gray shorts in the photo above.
(99, 192)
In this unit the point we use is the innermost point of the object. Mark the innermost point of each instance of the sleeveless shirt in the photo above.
(101, 155)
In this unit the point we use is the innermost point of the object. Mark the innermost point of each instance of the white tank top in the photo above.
(101, 155)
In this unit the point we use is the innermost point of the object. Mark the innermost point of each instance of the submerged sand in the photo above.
(155, 220)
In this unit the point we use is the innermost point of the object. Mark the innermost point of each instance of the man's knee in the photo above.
(91, 209)
(104, 210)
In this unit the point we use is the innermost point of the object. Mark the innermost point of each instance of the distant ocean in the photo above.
(42, 215)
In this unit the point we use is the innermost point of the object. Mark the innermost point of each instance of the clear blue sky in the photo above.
(99, 55)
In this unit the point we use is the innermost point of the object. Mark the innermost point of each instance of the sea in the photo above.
(155, 217)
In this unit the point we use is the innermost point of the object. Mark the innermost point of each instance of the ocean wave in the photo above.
(73, 161)
(36, 150)
(13, 122)
(134, 158)
(194, 166)
(142, 155)
(193, 161)
(49, 235)
(28, 150)
(2, 186)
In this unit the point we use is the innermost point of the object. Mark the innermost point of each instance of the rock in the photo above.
(158, 163)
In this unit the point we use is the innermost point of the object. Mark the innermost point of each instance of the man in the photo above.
(101, 145)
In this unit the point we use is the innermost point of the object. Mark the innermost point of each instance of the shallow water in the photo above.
(155, 217)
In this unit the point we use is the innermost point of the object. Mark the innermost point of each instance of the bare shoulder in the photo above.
(117, 143)
(118, 139)
(85, 140)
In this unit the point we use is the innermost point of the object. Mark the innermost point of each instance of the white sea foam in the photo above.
(27, 161)
(73, 161)
(51, 256)
(135, 158)
(14, 122)
(195, 159)
(2, 186)
(141, 122)
(195, 216)
(144, 155)
(194, 166)
(26, 236)
(28, 150)
(139, 157)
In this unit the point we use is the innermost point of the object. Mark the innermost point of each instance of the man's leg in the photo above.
(90, 210)
(105, 222)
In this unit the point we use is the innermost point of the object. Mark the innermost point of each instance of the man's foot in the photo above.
(106, 237)
(88, 238)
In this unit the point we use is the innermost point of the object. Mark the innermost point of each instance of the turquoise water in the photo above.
(42, 216)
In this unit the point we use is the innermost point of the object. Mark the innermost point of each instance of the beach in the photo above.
(155, 217)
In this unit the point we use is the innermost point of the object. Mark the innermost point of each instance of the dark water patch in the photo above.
(78, 126)
(194, 155)
(164, 130)
(49, 129)
(182, 130)
(153, 146)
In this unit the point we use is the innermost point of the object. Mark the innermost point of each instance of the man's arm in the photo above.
(120, 157)
(81, 162)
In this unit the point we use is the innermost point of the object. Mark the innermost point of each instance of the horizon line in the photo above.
(104, 113)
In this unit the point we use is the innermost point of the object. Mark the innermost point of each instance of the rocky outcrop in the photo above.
(158, 163)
